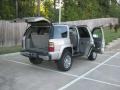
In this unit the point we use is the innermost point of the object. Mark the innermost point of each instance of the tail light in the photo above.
(51, 47)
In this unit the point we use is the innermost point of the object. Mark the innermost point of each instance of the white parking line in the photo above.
(101, 82)
(68, 74)
(116, 66)
(82, 76)
(112, 65)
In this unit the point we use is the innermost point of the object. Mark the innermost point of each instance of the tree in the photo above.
(7, 10)
(26, 8)
(81, 9)
(105, 6)
(71, 10)
(114, 9)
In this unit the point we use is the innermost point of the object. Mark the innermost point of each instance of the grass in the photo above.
(5, 50)
(110, 35)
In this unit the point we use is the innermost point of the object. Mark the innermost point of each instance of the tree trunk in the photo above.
(38, 8)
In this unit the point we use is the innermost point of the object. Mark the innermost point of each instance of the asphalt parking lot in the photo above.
(17, 73)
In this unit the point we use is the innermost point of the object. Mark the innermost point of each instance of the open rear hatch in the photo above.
(37, 35)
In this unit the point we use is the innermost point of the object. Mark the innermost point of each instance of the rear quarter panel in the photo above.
(60, 45)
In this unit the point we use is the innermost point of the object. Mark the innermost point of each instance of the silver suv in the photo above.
(46, 41)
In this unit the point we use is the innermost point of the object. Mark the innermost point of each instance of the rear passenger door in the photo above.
(74, 38)
(98, 36)
(84, 42)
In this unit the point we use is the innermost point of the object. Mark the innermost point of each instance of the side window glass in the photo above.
(73, 36)
(60, 32)
(97, 33)
(83, 32)
(73, 31)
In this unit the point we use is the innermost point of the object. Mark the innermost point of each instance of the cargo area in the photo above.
(37, 39)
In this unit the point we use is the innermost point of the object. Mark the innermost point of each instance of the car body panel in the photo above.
(60, 44)
(98, 36)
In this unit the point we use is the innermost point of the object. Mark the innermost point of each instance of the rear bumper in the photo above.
(36, 55)
(44, 56)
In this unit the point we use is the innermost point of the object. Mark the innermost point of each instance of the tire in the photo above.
(92, 56)
(65, 62)
(35, 61)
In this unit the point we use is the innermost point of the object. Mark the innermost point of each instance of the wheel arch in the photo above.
(65, 48)
(69, 49)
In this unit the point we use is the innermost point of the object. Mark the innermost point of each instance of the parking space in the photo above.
(16, 73)
(106, 74)
(15, 76)
(85, 84)
(115, 61)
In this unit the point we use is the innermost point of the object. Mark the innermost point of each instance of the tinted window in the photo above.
(37, 30)
(73, 31)
(97, 32)
(59, 32)
(83, 32)
(40, 30)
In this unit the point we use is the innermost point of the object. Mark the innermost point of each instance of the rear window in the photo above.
(37, 30)
(59, 32)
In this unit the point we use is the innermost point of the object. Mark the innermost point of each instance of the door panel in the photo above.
(74, 37)
(84, 46)
(99, 41)
(84, 42)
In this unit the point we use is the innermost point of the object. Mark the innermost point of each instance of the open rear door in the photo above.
(37, 35)
(38, 21)
(98, 36)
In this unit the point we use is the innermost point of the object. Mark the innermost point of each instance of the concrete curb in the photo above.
(113, 43)
(10, 54)
(109, 46)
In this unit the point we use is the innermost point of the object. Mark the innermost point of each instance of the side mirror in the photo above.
(95, 36)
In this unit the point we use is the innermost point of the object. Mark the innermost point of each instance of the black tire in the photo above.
(35, 61)
(66, 56)
(92, 56)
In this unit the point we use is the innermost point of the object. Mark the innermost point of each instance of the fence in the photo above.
(11, 33)
(91, 23)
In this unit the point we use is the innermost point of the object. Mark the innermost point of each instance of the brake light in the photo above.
(51, 47)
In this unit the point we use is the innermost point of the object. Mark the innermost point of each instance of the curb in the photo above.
(10, 54)
(110, 45)
(113, 43)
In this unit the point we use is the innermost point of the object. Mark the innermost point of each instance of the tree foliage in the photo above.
(8, 8)
(26, 8)
(71, 9)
